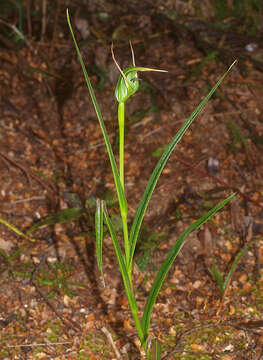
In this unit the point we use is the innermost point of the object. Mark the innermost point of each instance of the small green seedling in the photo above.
(56, 278)
(13, 269)
(238, 137)
(127, 86)
(62, 216)
(218, 276)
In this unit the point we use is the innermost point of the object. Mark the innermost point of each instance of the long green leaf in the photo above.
(120, 192)
(136, 225)
(124, 273)
(159, 279)
(99, 235)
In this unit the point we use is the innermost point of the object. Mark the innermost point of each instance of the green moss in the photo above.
(214, 337)
(37, 350)
(53, 330)
(95, 343)
(83, 355)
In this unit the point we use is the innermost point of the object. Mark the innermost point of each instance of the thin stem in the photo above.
(121, 118)
(121, 109)
(126, 242)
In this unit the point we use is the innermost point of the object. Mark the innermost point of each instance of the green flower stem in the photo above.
(126, 241)
(121, 119)
(121, 110)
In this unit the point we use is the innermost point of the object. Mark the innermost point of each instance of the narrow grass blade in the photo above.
(62, 216)
(197, 70)
(9, 258)
(218, 277)
(120, 192)
(238, 257)
(136, 225)
(124, 273)
(157, 350)
(13, 228)
(159, 279)
(99, 235)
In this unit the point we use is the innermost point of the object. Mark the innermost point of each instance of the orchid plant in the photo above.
(128, 85)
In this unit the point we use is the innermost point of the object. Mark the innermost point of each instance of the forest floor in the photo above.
(52, 302)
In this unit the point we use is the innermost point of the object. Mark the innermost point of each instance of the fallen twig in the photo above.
(219, 181)
(109, 337)
(40, 344)
(29, 174)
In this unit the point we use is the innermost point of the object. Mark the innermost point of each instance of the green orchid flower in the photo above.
(128, 82)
